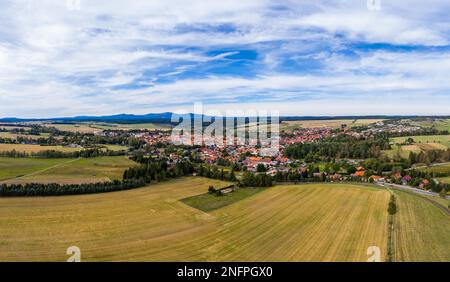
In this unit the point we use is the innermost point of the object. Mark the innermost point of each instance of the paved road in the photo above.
(431, 165)
(410, 189)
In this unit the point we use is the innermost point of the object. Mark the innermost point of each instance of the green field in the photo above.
(114, 126)
(29, 136)
(442, 168)
(421, 143)
(445, 179)
(114, 147)
(82, 128)
(442, 124)
(16, 167)
(64, 171)
(209, 202)
(421, 230)
(443, 140)
(321, 222)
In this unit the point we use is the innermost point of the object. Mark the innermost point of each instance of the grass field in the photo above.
(438, 141)
(442, 124)
(35, 148)
(115, 147)
(333, 222)
(287, 125)
(29, 136)
(445, 179)
(421, 230)
(114, 126)
(422, 143)
(16, 167)
(209, 202)
(65, 171)
(82, 128)
(443, 168)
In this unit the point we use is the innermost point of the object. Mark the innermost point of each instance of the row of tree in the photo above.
(37, 189)
(53, 154)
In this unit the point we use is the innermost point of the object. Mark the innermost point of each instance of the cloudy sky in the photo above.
(301, 57)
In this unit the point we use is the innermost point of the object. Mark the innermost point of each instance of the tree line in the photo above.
(53, 154)
(346, 148)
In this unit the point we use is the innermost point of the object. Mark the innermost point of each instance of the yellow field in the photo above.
(14, 136)
(326, 123)
(421, 230)
(286, 223)
(74, 128)
(35, 148)
(142, 126)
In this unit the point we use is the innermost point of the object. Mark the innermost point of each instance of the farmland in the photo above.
(30, 136)
(421, 230)
(439, 124)
(286, 125)
(81, 128)
(35, 148)
(94, 127)
(17, 167)
(65, 171)
(441, 168)
(421, 143)
(438, 141)
(322, 222)
(114, 126)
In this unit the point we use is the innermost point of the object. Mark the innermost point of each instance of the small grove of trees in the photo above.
(215, 173)
(392, 206)
(430, 156)
(345, 147)
(158, 171)
(256, 180)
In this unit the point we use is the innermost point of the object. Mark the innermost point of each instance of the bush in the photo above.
(392, 208)
(211, 189)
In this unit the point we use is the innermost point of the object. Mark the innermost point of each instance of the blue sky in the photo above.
(297, 57)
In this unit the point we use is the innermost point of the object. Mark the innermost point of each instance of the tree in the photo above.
(260, 168)
(392, 207)
(232, 176)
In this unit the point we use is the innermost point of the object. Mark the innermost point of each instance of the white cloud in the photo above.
(54, 61)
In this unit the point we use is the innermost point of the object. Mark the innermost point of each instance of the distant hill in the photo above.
(165, 118)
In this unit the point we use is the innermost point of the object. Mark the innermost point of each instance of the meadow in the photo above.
(438, 141)
(441, 168)
(35, 148)
(320, 222)
(289, 125)
(29, 136)
(421, 230)
(81, 128)
(441, 124)
(116, 126)
(421, 143)
(64, 171)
